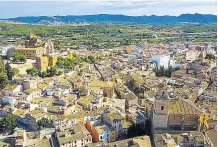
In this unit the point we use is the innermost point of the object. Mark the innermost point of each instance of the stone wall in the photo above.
(160, 121)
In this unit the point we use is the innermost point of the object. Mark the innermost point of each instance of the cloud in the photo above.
(133, 8)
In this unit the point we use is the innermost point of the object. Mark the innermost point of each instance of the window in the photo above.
(162, 107)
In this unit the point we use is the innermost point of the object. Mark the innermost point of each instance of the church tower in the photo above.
(160, 112)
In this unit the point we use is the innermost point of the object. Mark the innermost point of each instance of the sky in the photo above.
(10, 9)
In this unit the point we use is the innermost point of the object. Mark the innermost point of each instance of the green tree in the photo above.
(19, 57)
(8, 123)
(13, 72)
(67, 63)
(32, 71)
(210, 56)
(3, 80)
(11, 122)
(23, 58)
(92, 59)
(162, 71)
(60, 73)
(52, 71)
(80, 73)
(44, 74)
(59, 47)
(43, 122)
(169, 71)
(3, 76)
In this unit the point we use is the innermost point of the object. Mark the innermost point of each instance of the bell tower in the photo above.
(160, 111)
(161, 107)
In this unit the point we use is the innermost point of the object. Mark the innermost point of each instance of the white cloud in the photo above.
(86, 7)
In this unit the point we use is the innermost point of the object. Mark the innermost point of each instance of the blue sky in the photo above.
(9, 9)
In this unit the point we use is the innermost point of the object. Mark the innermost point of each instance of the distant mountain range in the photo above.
(202, 18)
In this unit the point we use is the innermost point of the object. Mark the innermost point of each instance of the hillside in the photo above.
(202, 18)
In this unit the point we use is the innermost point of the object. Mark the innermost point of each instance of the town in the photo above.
(158, 88)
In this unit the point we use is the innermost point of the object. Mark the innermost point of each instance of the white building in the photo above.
(163, 60)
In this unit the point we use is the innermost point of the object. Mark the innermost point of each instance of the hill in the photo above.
(201, 18)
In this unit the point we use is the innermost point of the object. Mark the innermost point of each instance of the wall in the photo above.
(29, 84)
(113, 135)
(174, 120)
(118, 125)
(53, 61)
(42, 63)
(9, 101)
(108, 92)
(164, 61)
(191, 120)
(158, 105)
(160, 121)
(13, 92)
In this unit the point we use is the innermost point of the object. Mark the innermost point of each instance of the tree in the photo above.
(59, 47)
(44, 74)
(52, 71)
(165, 72)
(67, 63)
(169, 72)
(162, 71)
(141, 95)
(92, 59)
(43, 122)
(19, 57)
(13, 72)
(8, 123)
(23, 58)
(80, 73)
(3, 76)
(210, 56)
(60, 73)
(11, 122)
(3, 80)
(32, 71)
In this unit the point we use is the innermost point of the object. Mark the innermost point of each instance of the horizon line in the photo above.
(104, 14)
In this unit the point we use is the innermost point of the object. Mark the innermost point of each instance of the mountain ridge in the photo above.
(201, 18)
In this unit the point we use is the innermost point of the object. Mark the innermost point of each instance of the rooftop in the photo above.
(182, 106)
(11, 87)
(100, 129)
(24, 48)
(143, 141)
(98, 83)
(73, 137)
(115, 116)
